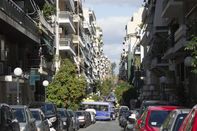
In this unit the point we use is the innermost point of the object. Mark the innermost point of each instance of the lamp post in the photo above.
(17, 72)
(45, 83)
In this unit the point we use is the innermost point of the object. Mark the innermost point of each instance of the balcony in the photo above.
(172, 8)
(45, 26)
(65, 18)
(77, 39)
(66, 45)
(86, 26)
(12, 10)
(144, 14)
(180, 38)
(158, 63)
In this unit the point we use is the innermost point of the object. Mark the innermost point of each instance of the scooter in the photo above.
(131, 123)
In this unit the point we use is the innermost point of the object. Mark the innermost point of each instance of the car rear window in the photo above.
(157, 118)
(20, 114)
(179, 121)
(36, 115)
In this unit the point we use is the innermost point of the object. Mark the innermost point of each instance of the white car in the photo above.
(93, 114)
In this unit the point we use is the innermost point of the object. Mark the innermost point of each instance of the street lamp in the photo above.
(45, 83)
(17, 72)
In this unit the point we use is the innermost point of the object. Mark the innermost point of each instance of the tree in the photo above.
(67, 89)
(192, 47)
(125, 92)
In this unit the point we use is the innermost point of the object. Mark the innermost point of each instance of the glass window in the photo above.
(20, 114)
(62, 113)
(36, 115)
(157, 118)
(179, 121)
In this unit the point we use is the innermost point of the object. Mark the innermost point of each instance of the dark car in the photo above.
(75, 123)
(66, 120)
(50, 112)
(8, 122)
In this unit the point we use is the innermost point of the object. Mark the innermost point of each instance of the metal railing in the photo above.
(66, 41)
(66, 15)
(11, 9)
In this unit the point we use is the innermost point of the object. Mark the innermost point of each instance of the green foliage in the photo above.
(192, 46)
(48, 10)
(125, 92)
(106, 87)
(67, 89)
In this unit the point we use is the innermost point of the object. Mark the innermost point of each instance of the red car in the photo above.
(190, 122)
(153, 117)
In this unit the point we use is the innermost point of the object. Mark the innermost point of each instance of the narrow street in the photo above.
(103, 126)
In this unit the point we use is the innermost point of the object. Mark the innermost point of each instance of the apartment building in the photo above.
(79, 38)
(168, 26)
(132, 54)
(26, 41)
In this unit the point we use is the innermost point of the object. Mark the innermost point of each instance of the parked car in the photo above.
(50, 112)
(8, 122)
(93, 114)
(24, 117)
(122, 110)
(67, 121)
(75, 123)
(41, 122)
(147, 103)
(174, 120)
(82, 118)
(190, 121)
(153, 117)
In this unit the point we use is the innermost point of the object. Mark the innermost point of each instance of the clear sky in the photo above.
(112, 16)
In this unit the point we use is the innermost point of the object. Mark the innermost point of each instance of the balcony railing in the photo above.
(66, 15)
(66, 41)
(173, 3)
(17, 14)
(45, 23)
(180, 33)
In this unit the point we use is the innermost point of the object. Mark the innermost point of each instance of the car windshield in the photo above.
(48, 109)
(36, 115)
(179, 121)
(158, 117)
(20, 114)
(62, 113)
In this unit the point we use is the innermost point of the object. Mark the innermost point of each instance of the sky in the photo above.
(112, 16)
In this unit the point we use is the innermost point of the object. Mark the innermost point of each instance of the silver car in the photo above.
(41, 122)
(24, 117)
(174, 120)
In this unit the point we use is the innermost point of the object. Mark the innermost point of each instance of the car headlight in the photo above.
(52, 119)
(64, 123)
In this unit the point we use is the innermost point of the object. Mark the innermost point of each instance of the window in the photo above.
(157, 118)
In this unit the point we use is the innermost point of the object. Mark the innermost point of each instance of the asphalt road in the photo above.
(103, 126)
